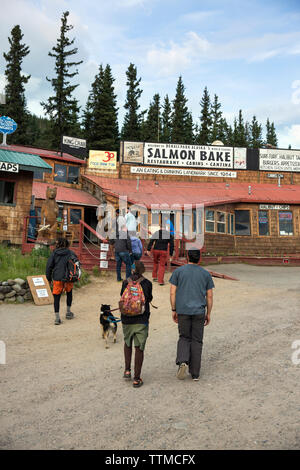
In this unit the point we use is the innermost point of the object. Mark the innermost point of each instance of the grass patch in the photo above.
(13, 264)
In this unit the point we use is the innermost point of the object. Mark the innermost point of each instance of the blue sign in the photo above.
(7, 125)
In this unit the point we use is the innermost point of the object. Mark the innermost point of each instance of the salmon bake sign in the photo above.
(191, 156)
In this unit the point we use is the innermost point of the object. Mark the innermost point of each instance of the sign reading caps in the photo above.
(102, 160)
(12, 167)
(188, 155)
(279, 160)
(74, 146)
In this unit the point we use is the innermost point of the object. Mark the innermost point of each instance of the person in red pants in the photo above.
(160, 240)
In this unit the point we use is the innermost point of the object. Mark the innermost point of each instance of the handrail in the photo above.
(93, 231)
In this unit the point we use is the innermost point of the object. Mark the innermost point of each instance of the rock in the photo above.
(1, 296)
(16, 287)
(20, 299)
(5, 283)
(28, 296)
(10, 282)
(10, 294)
(10, 300)
(20, 281)
(22, 292)
(5, 289)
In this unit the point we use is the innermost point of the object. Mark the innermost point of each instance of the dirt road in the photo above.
(61, 389)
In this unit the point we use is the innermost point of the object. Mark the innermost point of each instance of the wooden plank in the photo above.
(40, 290)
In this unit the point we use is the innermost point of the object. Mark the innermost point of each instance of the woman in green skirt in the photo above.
(135, 329)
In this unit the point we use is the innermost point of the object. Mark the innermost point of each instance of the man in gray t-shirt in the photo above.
(191, 299)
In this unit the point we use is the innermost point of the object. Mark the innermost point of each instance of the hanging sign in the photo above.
(74, 146)
(7, 125)
(190, 156)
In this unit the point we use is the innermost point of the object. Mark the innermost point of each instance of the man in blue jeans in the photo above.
(123, 251)
(191, 299)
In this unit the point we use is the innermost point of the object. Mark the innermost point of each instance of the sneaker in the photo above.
(195, 378)
(119, 280)
(69, 315)
(154, 279)
(181, 373)
(57, 321)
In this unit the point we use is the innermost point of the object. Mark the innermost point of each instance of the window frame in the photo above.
(250, 223)
(268, 214)
(293, 224)
(223, 223)
(210, 221)
(15, 182)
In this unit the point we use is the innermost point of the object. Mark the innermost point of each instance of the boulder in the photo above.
(4, 283)
(20, 299)
(22, 292)
(17, 287)
(10, 282)
(1, 296)
(20, 281)
(28, 296)
(5, 289)
(10, 294)
(10, 300)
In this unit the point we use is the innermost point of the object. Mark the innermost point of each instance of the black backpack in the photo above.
(73, 269)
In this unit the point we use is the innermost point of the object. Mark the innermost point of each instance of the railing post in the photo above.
(80, 240)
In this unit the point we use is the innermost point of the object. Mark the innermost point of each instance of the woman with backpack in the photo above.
(56, 271)
(135, 327)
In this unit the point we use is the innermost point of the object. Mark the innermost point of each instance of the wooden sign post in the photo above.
(40, 290)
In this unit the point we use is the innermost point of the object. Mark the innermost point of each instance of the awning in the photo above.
(26, 161)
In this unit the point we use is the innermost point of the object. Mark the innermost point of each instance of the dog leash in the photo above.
(113, 319)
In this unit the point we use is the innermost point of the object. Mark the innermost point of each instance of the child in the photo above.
(55, 270)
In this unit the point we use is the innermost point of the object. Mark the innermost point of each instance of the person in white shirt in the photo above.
(130, 222)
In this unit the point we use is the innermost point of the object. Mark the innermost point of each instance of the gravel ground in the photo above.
(61, 389)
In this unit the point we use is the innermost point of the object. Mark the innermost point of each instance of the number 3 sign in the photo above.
(102, 160)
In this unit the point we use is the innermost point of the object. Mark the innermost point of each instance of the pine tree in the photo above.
(240, 132)
(153, 128)
(101, 113)
(216, 116)
(166, 121)
(133, 119)
(15, 106)
(256, 134)
(271, 137)
(179, 115)
(204, 137)
(189, 129)
(247, 134)
(63, 108)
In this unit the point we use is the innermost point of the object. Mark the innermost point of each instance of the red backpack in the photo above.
(132, 302)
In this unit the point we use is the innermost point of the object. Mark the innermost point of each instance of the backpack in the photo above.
(135, 244)
(132, 302)
(72, 269)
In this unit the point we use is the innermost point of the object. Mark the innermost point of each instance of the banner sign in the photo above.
(7, 125)
(188, 155)
(182, 172)
(74, 146)
(277, 207)
(102, 160)
(279, 160)
(133, 152)
(240, 158)
(12, 167)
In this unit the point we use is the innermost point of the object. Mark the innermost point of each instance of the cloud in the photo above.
(290, 135)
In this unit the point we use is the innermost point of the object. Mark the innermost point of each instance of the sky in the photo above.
(246, 52)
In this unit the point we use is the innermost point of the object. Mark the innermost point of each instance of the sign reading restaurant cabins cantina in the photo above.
(196, 156)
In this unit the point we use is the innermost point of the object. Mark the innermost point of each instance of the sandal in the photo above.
(137, 383)
(127, 374)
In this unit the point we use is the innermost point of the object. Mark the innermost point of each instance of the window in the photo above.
(232, 224)
(263, 223)
(38, 174)
(73, 174)
(7, 189)
(75, 216)
(242, 223)
(209, 221)
(221, 222)
(60, 173)
(285, 223)
(155, 218)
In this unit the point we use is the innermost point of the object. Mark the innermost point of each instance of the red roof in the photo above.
(45, 153)
(170, 193)
(69, 195)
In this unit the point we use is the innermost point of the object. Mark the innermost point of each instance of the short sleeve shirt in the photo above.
(192, 282)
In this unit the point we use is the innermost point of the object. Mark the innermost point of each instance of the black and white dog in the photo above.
(108, 323)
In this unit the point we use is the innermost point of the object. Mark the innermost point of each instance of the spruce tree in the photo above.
(133, 119)
(152, 128)
(15, 106)
(204, 137)
(179, 115)
(166, 121)
(256, 140)
(216, 116)
(62, 107)
(189, 129)
(101, 113)
(240, 132)
(271, 137)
